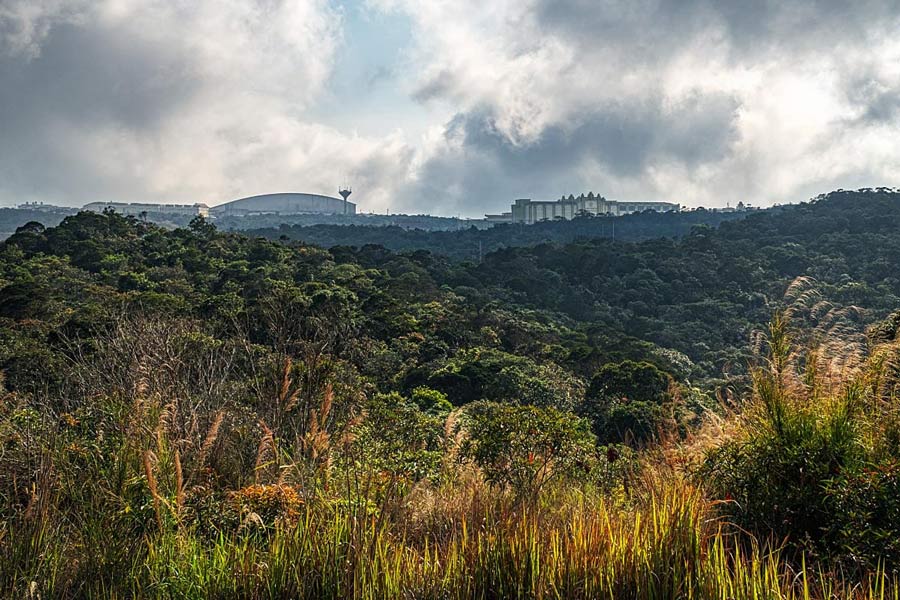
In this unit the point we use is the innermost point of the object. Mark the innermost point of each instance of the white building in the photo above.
(505, 217)
(529, 211)
(285, 204)
(46, 208)
(140, 209)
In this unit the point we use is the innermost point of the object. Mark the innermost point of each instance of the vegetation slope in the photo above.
(192, 413)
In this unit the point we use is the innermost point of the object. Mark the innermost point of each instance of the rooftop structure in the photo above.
(741, 207)
(528, 211)
(505, 217)
(285, 204)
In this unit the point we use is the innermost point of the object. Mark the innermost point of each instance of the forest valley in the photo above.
(193, 413)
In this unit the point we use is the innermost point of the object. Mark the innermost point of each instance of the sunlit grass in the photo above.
(134, 522)
(664, 542)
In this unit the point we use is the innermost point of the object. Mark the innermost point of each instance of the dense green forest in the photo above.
(471, 243)
(360, 220)
(687, 305)
(201, 413)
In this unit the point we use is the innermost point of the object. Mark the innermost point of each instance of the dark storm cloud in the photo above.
(623, 139)
(95, 76)
(750, 26)
(876, 100)
(882, 106)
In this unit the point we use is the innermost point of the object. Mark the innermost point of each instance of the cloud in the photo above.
(24, 24)
(177, 102)
(691, 101)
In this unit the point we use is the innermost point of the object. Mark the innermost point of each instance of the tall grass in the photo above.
(666, 542)
(812, 456)
(144, 497)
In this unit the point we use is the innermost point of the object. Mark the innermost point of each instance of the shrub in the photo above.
(864, 515)
(812, 468)
(400, 439)
(491, 374)
(431, 401)
(627, 402)
(267, 505)
(525, 447)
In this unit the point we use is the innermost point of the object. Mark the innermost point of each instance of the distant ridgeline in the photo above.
(689, 304)
(458, 238)
(272, 221)
(171, 215)
(13, 218)
(472, 242)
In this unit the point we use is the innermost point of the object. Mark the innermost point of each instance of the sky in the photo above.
(450, 107)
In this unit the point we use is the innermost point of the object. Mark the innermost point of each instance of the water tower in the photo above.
(345, 193)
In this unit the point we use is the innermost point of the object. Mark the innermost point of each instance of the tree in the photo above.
(630, 379)
(627, 401)
(202, 227)
(399, 438)
(490, 374)
(431, 401)
(31, 227)
(525, 447)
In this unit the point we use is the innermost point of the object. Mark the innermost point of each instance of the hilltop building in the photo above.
(46, 208)
(140, 209)
(286, 204)
(505, 217)
(741, 207)
(529, 211)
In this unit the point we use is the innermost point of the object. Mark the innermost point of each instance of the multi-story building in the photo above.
(529, 211)
(140, 209)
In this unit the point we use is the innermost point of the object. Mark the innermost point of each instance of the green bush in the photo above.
(815, 470)
(525, 447)
(431, 401)
(864, 508)
(397, 437)
(628, 402)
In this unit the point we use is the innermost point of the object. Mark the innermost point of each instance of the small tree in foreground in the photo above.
(627, 402)
(525, 447)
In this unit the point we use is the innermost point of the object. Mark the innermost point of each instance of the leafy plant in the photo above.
(628, 402)
(525, 447)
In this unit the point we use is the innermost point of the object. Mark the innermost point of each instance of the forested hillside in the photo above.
(575, 306)
(165, 392)
(525, 324)
(473, 243)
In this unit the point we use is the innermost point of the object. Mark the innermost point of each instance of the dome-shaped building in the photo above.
(284, 204)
